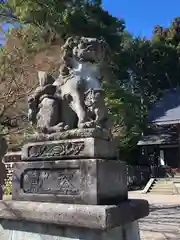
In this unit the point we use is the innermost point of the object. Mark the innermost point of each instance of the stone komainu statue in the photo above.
(75, 99)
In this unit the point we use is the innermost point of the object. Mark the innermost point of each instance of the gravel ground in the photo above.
(163, 221)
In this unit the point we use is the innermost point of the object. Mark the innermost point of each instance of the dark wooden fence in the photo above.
(137, 176)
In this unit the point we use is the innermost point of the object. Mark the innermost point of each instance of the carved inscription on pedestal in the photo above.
(51, 181)
(56, 150)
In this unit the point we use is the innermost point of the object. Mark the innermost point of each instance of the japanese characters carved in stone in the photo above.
(47, 181)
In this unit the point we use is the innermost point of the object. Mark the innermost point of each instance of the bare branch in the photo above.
(2, 111)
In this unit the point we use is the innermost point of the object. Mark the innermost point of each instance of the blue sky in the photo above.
(141, 15)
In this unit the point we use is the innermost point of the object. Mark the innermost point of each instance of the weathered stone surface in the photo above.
(68, 149)
(11, 157)
(75, 98)
(89, 181)
(82, 216)
(17, 230)
(69, 134)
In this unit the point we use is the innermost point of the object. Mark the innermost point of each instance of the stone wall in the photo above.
(11, 157)
(8, 161)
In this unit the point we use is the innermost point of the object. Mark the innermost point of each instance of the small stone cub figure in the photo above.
(94, 101)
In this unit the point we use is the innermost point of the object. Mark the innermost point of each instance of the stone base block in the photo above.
(17, 230)
(69, 148)
(50, 221)
(88, 181)
(70, 134)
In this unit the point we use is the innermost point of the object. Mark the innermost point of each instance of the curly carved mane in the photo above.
(83, 50)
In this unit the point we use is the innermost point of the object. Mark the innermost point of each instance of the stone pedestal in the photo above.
(69, 148)
(80, 181)
(74, 186)
(70, 170)
(51, 221)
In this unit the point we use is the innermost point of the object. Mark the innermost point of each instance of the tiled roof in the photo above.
(167, 110)
(156, 135)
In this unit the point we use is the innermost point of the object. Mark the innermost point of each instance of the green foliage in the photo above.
(67, 18)
(7, 188)
(169, 35)
(44, 19)
(142, 69)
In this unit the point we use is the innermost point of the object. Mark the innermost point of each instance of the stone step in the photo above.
(162, 191)
(176, 181)
(163, 183)
(163, 180)
(162, 187)
(156, 187)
